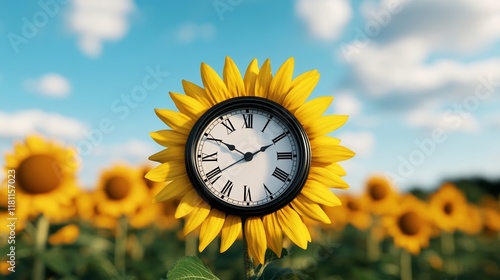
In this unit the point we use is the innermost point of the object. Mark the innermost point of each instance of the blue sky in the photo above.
(420, 80)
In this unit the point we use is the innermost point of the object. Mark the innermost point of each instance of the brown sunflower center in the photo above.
(353, 206)
(448, 208)
(117, 188)
(409, 223)
(38, 174)
(377, 192)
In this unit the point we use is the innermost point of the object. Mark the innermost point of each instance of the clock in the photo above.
(248, 156)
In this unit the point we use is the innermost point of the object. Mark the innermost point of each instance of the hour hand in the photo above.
(231, 147)
(262, 149)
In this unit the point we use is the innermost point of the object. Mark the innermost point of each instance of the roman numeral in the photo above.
(210, 175)
(210, 157)
(268, 120)
(229, 126)
(268, 192)
(246, 194)
(226, 190)
(280, 174)
(284, 155)
(279, 137)
(248, 119)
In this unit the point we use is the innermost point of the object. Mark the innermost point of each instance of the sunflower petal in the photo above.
(307, 208)
(169, 138)
(325, 125)
(327, 177)
(301, 88)
(332, 154)
(230, 231)
(169, 154)
(332, 167)
(263, 80)
(35, 143)
(251, 76)
(197, 93)
(188, 202)
(232, 78)
(310, 111)
(175, 120)
(274, 233)
(281, 82)
(188, 105)
(215, 87)
(196, 218)
(293, 226)
(256, 238)
(318, 193)
(211, 228)
(324, 141)
(166, 172)
(174, 190)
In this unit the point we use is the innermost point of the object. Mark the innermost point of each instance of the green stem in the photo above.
(447, 243)
(247, 260)
(121, 244)
(405, 267)
(190, 245)
(372, 247)
(41, 234)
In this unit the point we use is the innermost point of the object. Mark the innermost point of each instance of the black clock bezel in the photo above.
(275, 109)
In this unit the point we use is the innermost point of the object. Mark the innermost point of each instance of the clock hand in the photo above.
(248, 156)
(262, 149)
(232, 164)
(229, 146)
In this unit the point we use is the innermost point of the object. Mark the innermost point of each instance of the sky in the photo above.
(419, 79)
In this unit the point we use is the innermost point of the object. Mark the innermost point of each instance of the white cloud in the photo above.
(96, 21)
(53, 85)
(325, 19)
(22, 123)
(190, 32)
(345, 103)
(133, 149)
(361, 142)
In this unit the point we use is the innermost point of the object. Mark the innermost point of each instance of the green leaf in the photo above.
(190, 268)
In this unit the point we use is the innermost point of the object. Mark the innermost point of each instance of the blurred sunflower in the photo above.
(409, 225)
(473, 224)
(338, 217)
(356, 211)
(65, 235)
(491, 219)
(84, 205)
(20, 211)
(120, 191)
(266, 231)
(380, 195)
(448, 207)
(166, 218)
(45, 175)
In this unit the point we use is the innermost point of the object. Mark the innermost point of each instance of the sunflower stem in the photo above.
(405, 266)
(190, 245)
(41, 234)
(121, 244)
(247, 260)
(447, 243)
(373, 247)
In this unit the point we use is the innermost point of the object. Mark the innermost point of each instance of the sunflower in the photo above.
(45, 175)
(337, 216)
(260, 231)
(18, 211)
(356, 211)
(65, 235)
(474, 222)
(120, 191)
(380, 195)
(448, 207)
(409, 224)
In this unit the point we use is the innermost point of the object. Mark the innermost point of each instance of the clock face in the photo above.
(248, 156)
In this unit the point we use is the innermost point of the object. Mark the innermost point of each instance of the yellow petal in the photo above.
(174, 190)
(323, 141)
(310, 111)
(35, 143)
(251, 76)
(175, 120)
(318, 193)
(170, 154)
(293, 227)
(197, 216)
(166, 172)
(215, 87)
(327, 177)
(232, 78)
(280, 85)
(256, 238)
(169, 138)
(211, 228)
(332, 167)
(301, 88)
(263, 80)
(307, 208)
(188, 202)
(332, 154)
(197, 93)
(230, 231)
(188, 105)
(325, 125)
(274, 233)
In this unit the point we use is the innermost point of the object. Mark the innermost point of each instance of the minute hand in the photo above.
(262, 149)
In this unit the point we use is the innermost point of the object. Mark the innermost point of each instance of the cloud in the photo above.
(52, 85)
(325, 19)
(190, 32)
(345, 103)
(96, 21)
(22, 123)
(133, 149)
(361, 142)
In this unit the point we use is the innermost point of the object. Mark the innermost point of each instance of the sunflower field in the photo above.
(56, 230)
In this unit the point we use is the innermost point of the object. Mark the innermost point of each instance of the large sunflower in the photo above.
(260, 231)
(448, 207)
(380, 195)
(409, 225)
(45, 175)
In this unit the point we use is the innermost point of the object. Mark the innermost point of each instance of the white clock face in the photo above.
(247, 157)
